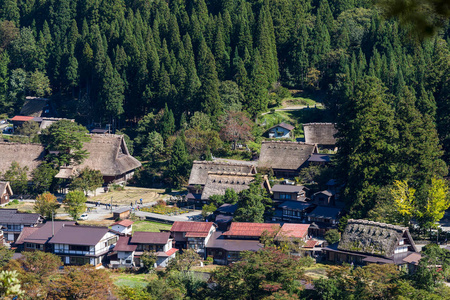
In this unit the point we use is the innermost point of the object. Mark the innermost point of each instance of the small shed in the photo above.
(121, 213)
(282, 130)
(5, 192)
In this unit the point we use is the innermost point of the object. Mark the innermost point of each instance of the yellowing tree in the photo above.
(436, 203)
(403, 196)
(46, 204)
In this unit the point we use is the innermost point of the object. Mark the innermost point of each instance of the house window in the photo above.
(128, 261)
(78, 248)
(401, 242)
(401, 249)
(79, 261)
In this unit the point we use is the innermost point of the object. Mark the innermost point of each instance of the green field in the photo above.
(131, 280)
(150, 226)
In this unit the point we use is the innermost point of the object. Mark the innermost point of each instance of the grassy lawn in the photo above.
(296, 101)
(130, 194)
(317, 271)
(131, 280)
(150, 226)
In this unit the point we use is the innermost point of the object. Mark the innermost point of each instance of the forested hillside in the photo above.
(122, 61)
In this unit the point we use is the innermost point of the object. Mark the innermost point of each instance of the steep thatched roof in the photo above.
(29, 155)
(372, 237)
(33, 106)
(109, 154)
(5, 188)
(320, 133)
(217, 183)
(285, 155)
(200, 170)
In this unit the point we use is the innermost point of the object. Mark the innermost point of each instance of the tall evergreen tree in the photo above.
(366, 135)
(179, 163)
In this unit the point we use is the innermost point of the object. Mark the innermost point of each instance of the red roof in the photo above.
(171, 251)
(124, 223)
(191, 226)
(310, 244)
(142, 237)
(250, 229)
(123, 244)
(294, 230)
(22, 118)
(196, 234)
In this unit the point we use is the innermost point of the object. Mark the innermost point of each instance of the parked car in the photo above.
(289, 182)
(84, 216)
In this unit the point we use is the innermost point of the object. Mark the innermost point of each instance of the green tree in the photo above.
(29, 129)
(154, 147)
(43, 178)
(38, 84)
(75, 204)
(332, 236)
(366, 137)
(185, 261)
(87, 181)
(148, 260)
(179, 163)
(436, 203)
(9, 284)
(46, 204)
(67, 137)
(5, 255)
(252, 204)
(17, 177)
(231, 96)
(167, 123)
(208, 209)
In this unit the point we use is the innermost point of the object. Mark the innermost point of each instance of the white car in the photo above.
(84, 216)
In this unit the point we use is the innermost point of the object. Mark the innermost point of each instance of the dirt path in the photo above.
(128, 195)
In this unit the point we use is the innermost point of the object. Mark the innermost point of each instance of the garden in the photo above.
(163, 209)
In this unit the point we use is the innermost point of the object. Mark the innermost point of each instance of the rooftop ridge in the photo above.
(232, 174)
(219, 163)
(16, 143)
(288, 142)
(373, 223)
(317, 123)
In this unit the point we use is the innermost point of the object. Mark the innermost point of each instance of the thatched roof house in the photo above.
(217, 183)
(285, 158)
(5, 192)
(200, 170)
(26, 155)
(35, 107)
(372, 242)
(320, 133)
(109, 154)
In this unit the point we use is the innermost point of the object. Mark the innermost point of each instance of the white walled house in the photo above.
(281, 130)
(123, 227)
(130, 249)
(14, 222)
(80, 245)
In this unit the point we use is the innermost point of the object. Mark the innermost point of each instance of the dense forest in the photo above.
(151, 67)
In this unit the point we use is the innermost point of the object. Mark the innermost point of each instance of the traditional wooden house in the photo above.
(283, 192)
(18, 121)
(285, 158)
(282, 130)
(364, 242)
(201, 169)
(129, 249)
(124, 227)
(80, 245)
(323, 218)
(14, 222)
(5, 192)
(292, 211)
(36, 107)
(326, 197)
(194, 235)
(37, 238)
(109, 154)
(321, 134)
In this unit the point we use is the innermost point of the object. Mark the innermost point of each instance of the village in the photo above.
(103, 235)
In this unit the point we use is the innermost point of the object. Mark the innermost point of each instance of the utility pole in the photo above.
(53, 224)
(111, 204)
